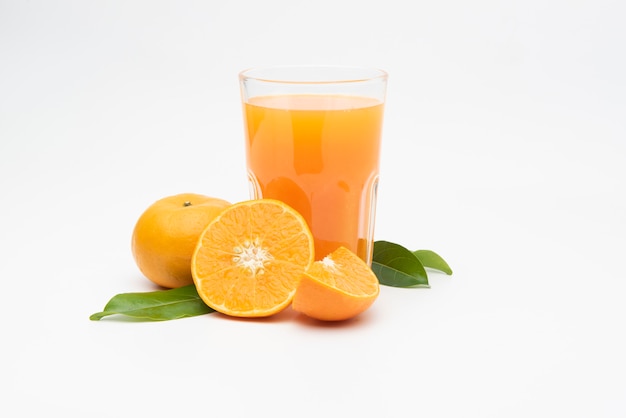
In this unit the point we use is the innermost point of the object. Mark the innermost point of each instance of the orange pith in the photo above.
(249, 260)
(339, 287)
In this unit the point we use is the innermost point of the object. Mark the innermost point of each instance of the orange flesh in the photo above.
(249, 260)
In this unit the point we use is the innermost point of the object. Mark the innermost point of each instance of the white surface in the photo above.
(504, 151)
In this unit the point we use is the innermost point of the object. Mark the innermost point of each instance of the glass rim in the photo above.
(295, 74)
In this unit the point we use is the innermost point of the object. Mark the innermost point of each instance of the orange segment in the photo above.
(339, 287)
(249, 260)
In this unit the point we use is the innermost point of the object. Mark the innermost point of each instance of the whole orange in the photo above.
(166, 235)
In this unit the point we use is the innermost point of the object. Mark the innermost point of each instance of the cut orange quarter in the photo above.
(249, 260)
(339, 287)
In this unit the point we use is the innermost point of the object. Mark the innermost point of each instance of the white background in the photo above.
(504, 151)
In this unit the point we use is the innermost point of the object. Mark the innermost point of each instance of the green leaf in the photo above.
(396, 266)
(433, 260)
(160, 305)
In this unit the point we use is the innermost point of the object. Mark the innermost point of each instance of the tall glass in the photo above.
(313, 137)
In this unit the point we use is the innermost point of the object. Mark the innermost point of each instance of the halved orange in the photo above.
(249, 260)
(338, 287)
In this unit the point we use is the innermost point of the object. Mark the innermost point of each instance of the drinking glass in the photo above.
(313, 139)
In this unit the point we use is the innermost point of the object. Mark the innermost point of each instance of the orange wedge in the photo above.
(339, 287)
(249, 260)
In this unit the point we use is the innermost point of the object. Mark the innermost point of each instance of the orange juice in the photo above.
(320, 155)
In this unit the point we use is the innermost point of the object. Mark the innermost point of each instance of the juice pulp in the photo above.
(320, 155)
